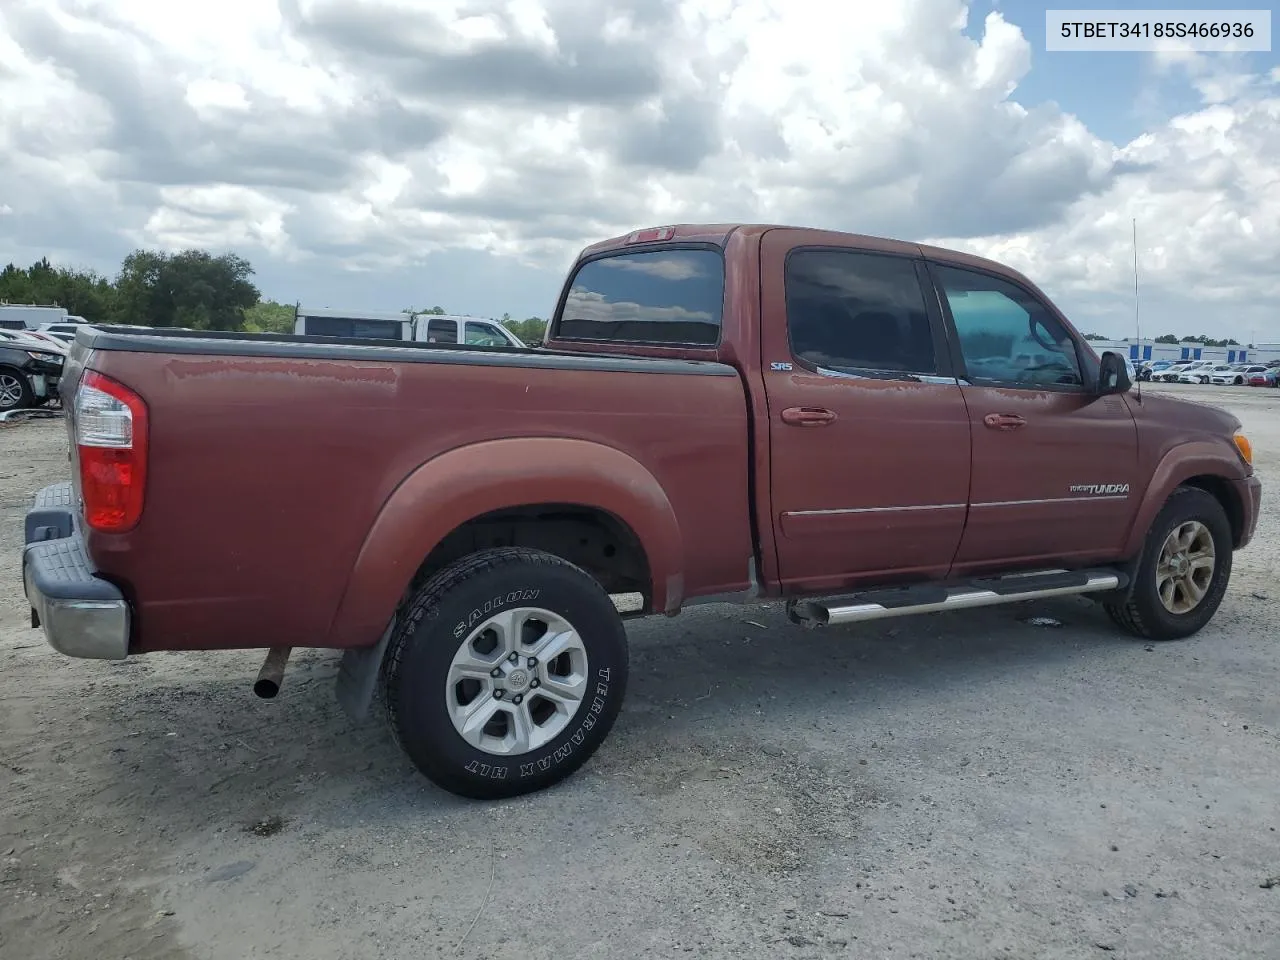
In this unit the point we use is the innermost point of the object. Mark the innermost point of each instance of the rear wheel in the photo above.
(505, 673)
(1185, 568)
(15, 389)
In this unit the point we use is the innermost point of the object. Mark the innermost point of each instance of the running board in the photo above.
(932, 598)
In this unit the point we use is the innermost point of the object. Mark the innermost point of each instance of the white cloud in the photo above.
(366, 135)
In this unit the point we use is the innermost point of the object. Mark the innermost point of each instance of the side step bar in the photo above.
(931, 598)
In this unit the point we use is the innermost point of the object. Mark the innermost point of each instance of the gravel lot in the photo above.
(959, 785)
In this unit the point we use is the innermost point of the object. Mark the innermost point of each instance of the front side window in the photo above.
(654, 297)
(484, 335)
(442, 331)
(849, 311)
(1006, 334)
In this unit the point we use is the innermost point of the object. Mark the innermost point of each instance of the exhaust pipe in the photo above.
(272, 673)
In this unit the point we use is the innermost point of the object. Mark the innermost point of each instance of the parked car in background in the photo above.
(721, 413)
(1238, 374)
(1149, 368)
(471, 331)
(1266, 377)
(1197, 372)
(34, 340)
(1170, 373)
(30, 370)
(1222, 372)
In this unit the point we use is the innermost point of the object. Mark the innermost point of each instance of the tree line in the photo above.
(193, 289)
(1171, 338)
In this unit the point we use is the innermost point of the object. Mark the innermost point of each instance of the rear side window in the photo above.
(656, 297)
(442, 331)
(852, 311)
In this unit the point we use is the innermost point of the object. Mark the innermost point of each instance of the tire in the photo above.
(456, 614)
(1144, 614)
(1239, 381)
(15, 390)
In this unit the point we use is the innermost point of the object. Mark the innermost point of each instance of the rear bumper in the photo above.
(82, 615)
(1250, 492)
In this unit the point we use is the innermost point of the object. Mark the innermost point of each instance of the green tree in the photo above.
(1095, 336)
(268, 316)
(531, 329)
(193, 289)
(1167, 338)
(80, 292)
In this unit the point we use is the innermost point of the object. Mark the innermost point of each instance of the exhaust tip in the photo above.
(271, 676)
(266, 688)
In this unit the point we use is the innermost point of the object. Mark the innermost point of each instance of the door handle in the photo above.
(807, 416)
(1003, 421)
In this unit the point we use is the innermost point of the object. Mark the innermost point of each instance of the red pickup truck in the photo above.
(864, 427)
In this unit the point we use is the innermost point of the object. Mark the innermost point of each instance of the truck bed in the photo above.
(273, 455)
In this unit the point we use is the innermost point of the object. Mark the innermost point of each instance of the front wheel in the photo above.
(15, 390)
(505, 672)
(1185, 568)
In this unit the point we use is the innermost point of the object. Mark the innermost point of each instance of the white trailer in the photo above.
(330, 322)
(32, 316)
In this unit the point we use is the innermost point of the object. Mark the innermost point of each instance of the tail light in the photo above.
(110, 424)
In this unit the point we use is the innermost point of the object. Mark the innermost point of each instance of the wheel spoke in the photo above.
(1202, 562)
(555, 642)
(475, 715)
(521, 728)
(1192, 590)
(507, 625)
(1186, 536)
(470, 664)
(567, 690)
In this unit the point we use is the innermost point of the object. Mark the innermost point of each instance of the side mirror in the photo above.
(1113, 375)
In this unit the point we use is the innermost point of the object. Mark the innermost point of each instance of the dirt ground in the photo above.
(960, 785)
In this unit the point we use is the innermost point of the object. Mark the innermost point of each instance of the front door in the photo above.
(1055, 466)
(869, 439)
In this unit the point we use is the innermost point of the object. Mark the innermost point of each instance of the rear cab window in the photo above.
(671, 297)
(442, 331)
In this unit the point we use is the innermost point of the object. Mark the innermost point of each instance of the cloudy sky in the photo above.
(393, 153)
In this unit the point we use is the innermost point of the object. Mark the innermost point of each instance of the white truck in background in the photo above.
(425, 327)
(32, 316)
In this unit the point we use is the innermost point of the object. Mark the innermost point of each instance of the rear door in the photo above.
(1054, 464)
(868, 434)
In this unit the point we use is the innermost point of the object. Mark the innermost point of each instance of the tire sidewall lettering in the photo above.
(492, 606)
(575, 739)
